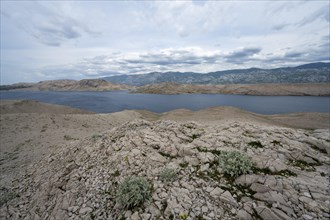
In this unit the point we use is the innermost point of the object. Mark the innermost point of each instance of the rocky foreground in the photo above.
(289, 179)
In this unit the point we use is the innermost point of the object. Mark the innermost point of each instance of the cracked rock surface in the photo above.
(289, 179)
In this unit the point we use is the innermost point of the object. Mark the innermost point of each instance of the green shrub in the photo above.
(183, 216)
(133, 192)
(255, 144)
(167, 175)
(234, 163)
(6, 197)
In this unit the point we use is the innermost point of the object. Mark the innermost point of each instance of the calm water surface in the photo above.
(114, 101)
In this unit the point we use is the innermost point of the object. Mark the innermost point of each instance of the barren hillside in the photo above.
(67, 85)
(317, 89)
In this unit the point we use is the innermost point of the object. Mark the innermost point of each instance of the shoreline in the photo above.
(321, 119)
(261, 89)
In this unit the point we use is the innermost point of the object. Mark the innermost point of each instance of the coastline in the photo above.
(263, 89)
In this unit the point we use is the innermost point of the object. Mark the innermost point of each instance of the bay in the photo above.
(114, 101)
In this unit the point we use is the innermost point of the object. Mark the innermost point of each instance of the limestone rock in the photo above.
(228, 198)
(82, 178)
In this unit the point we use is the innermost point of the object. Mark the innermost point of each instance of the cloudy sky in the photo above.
(42, 40)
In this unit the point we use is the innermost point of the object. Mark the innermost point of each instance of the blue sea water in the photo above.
(114, 101)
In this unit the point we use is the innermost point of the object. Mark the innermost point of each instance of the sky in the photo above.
(46, 40)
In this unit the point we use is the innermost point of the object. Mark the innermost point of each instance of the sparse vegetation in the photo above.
(267, 171)
(234, 163)
(303, 165)
(85, 125)
(44, 128)
(184, 165)
(255, 144)
(319, 149)
(183, 216)
(126, 160)
(215, 152)
(167, 175)
(96, 136)
(68, 138)
(6, 197)
(133, 192)
(116, 173)
(166, 155)
(194, 136)
(275, 142)
(199, 217)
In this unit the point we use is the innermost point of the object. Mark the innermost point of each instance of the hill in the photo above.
(298, 89)
(31, 106)
(308, 73)
(67, 85)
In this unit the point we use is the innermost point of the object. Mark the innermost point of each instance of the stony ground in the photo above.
(289, 180)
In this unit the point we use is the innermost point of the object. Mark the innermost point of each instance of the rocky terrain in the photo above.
(302, 89)
(308, 73)
(67, 85)
(73, 164)
(289, 180)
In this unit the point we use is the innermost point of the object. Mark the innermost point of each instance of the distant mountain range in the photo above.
(308, 73)
(67, 85)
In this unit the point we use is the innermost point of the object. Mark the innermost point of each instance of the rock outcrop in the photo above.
(289, 180)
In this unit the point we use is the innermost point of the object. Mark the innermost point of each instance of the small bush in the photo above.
(6, 197)
(167, 175)
(234, 163)
(183, 216)
(133, 192)
(255, 144)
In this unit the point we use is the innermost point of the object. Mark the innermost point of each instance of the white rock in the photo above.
(157, 157)
(228, 198)
(307, 217)
(85, 210)
(216, 193)
(135, 216)
(146, 216)
(204, 209)
(243, 215)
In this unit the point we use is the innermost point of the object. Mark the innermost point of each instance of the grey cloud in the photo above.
(175, 57)
(242, 55)
(49, 25)
(306, 55)
(284, 6)
(279, 27)
(114, 64)
(323, 13)
(293, 54)
(176, 60)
